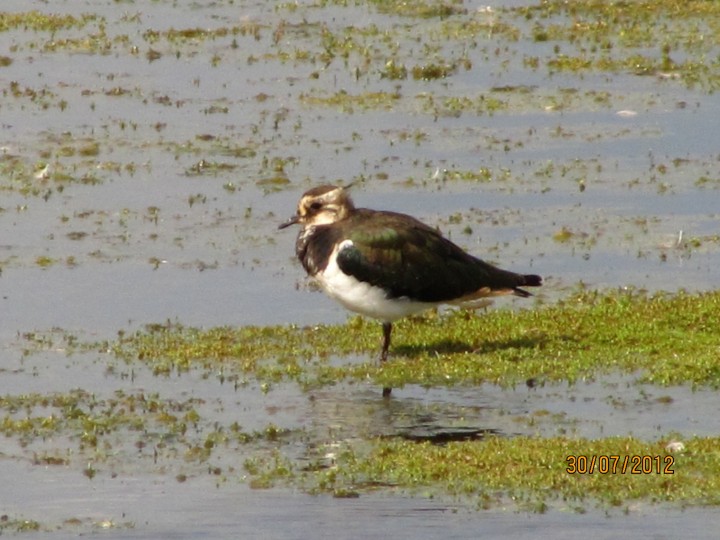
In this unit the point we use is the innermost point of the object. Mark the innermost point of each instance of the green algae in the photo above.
(349, 102)
(88, 419)
(662, 339)
(607, 37)
(528, 472)
(42, 22)
(534, 472)
(667, 339)
(587, 336)
(18, 525)
(615, 38)
(93, 433)
(422, 9)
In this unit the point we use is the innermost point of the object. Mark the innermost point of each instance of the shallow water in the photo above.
(136, 495)
(171, 161)
(282, 514)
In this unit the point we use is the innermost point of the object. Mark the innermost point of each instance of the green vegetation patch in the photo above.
(37, 21)
(348, 102)
(89, 419)
(666, 38)
(423, 9)
(662, 338)
(82, 426)
(20, 525)
(533, 472)
(667, 339)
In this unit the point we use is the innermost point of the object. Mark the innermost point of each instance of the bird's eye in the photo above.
(316, 206)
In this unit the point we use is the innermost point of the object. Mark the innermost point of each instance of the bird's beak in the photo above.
(292, 221)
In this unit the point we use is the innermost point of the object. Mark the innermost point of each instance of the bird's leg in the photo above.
(387, 330)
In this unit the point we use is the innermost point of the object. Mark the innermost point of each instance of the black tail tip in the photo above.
(529, 280)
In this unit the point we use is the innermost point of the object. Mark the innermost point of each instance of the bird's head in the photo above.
(322, 205)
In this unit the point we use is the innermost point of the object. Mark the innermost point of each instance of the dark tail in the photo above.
(528, 280)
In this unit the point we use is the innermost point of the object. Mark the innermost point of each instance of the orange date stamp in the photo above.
(617, 464)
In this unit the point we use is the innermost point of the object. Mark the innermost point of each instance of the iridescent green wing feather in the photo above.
(407, 258)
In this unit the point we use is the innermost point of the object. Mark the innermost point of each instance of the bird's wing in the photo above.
(407, 258)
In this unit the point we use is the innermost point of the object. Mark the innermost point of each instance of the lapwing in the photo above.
(388, 265)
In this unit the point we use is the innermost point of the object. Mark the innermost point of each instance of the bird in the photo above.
(388, 265)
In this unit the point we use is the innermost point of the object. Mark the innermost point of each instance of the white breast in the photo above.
(361, 297)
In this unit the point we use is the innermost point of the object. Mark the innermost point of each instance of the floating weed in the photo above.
(429, 72)
(65, 163)
(481, 175)
(101, 428)
(91, 149)
(609, 37)
(43, 98)
(193, 35)
(274, 182)
(462, 28)
(705, 181)
(204, 167)
(347, 101)
(394, 71)
(20, 525)
(42, 22)
(563, 235)
(422, 9)
(454, 106)
(43, 261)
